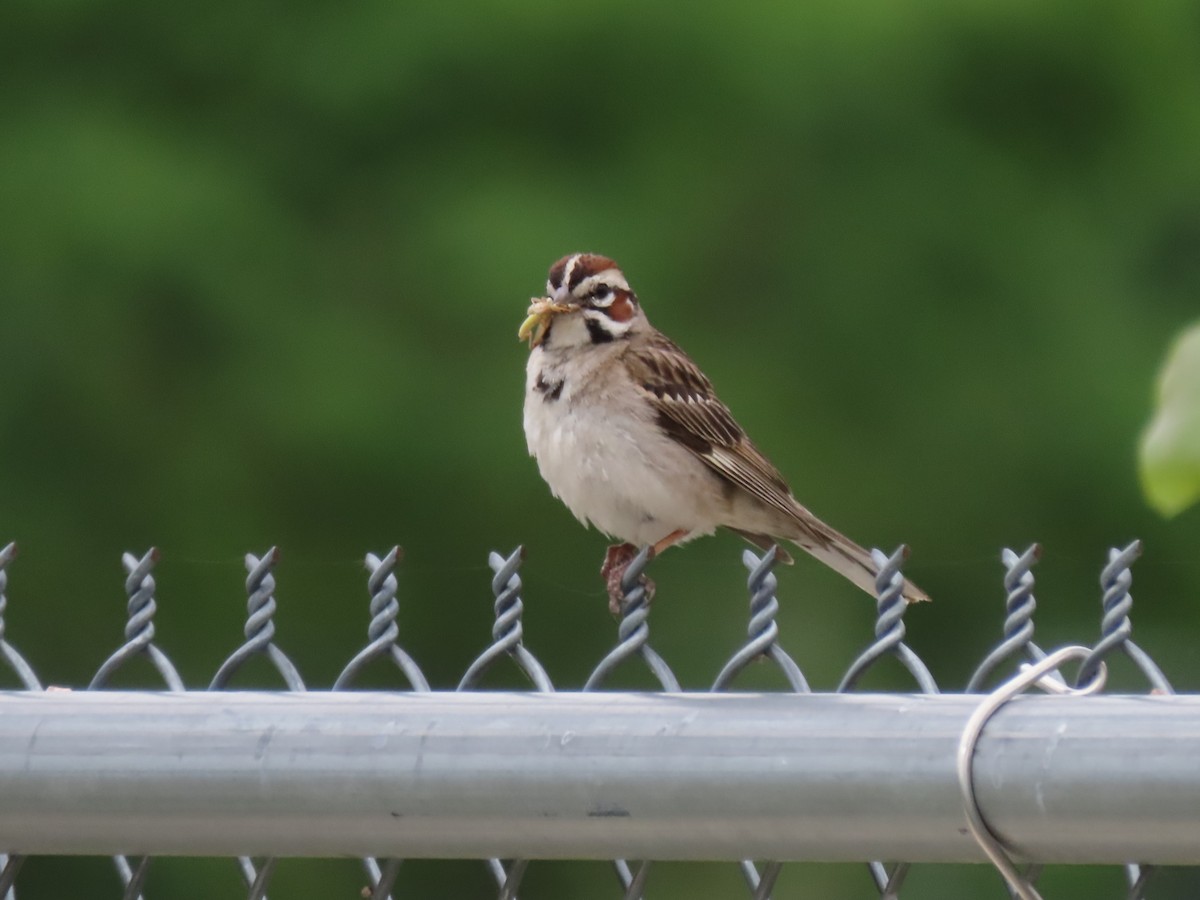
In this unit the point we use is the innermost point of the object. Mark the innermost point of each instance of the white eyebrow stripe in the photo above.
(568, 269)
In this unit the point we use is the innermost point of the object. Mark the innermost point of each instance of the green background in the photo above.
(262, 266)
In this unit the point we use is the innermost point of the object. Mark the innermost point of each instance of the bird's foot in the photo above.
(616, 561)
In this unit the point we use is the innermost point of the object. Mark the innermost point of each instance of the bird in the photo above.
(630, 435)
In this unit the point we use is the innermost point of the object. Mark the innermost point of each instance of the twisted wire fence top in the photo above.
(1018, 623)
(762, 642)
(260, 633)
(139, 636)
(1116, 578)
(507, 641)
(383, 633)
(633, 630)
(139, 585)
(633, 635)
(139, 626)
(889, 626)
(1115, 628)
(762, 629)
(14, 660)
(7, 553)
(889, 640)
(508, 632)
(260, 625)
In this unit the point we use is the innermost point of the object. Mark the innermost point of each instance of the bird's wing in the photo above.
(688, 411)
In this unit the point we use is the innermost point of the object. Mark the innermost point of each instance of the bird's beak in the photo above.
(541, 311)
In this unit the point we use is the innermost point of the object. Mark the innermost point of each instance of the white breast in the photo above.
(598, 447)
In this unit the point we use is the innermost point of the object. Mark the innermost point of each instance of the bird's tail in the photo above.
(843, 555)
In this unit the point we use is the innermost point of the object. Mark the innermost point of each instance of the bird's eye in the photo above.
(600, 296)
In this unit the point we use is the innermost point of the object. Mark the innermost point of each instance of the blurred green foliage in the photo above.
(1170, 447)
(261, 270)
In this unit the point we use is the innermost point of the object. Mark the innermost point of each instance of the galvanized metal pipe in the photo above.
(1102, 779)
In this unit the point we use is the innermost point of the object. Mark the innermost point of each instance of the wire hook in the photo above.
(1037, 674)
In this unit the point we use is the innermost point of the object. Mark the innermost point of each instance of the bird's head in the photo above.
(588, 302)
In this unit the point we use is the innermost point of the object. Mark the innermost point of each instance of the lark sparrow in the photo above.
(629, 434)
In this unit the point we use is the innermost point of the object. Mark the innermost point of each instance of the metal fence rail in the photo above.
(593, 776)
(1057, 777)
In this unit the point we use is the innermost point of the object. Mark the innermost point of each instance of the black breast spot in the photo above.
(550, 390)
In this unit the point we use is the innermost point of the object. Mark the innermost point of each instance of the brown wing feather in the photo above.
(688, 410)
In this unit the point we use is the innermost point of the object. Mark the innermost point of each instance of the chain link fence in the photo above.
(980, 775)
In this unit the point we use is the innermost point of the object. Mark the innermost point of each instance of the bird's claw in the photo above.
(616, 561)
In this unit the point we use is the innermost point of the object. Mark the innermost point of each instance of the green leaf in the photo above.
(1170, 449)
